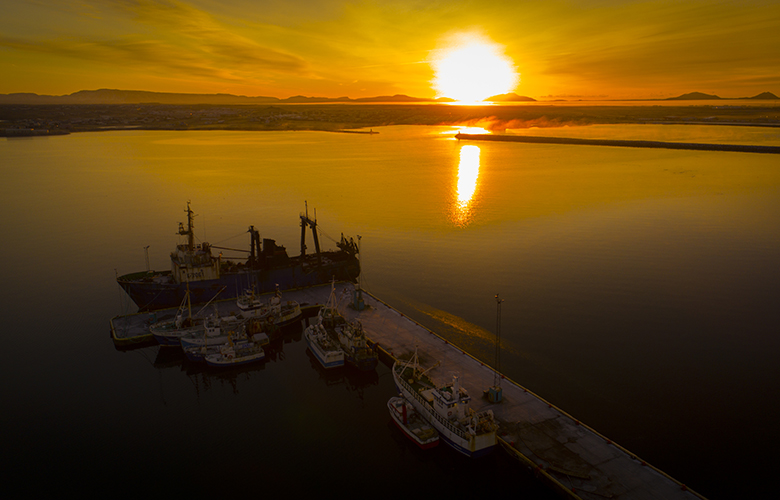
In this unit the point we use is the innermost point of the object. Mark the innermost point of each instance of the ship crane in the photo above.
(306, 221)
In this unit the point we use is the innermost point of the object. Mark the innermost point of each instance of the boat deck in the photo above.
(133, 329)
(571, 457)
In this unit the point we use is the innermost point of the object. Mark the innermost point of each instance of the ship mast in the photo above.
(305, 221)
(189, 232)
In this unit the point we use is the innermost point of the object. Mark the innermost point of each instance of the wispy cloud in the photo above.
(165, 36)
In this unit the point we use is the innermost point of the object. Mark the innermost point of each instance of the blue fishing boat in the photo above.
(324, 348)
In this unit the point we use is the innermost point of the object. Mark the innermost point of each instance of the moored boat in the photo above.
(170, 332)
(216, 331)
(324, 348)
(349, 335)
(198, 353)
(416, 428)
(269, 317)
(446, 407)
(234, 354)
(268, 267)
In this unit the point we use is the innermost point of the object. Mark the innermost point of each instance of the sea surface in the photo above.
(640, 287)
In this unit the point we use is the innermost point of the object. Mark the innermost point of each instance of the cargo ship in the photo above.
(267, 269)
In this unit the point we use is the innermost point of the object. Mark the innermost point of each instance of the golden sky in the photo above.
(362, 48)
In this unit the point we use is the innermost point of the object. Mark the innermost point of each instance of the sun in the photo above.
(473, 69)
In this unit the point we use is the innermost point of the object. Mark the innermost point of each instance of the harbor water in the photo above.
(640, 295)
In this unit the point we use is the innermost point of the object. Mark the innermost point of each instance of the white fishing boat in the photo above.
(252, 305)
(170, 332)
(234, 354)
(349, 335)
(198, 353)
(324, 348)
(215, 331)
(446, 407)
(269, 317)
(412, 424)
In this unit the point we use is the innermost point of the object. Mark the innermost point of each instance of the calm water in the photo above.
(640, 288)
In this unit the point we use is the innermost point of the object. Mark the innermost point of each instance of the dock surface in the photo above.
(568, 455)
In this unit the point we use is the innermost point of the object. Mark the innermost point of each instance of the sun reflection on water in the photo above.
(468, 173)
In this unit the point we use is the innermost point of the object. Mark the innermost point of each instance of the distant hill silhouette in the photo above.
(763, 96)
(112, 96)
(511, 97)
(695, 96)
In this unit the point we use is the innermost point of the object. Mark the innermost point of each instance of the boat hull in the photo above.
(166, 334)
(198, 354)
(418, 431)
(223, 361)
(158, 290)
(364, 362)
(327, 358)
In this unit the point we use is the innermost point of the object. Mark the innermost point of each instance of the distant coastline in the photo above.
(300, 113)
(114, 96)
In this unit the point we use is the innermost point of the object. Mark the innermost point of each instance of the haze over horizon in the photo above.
(561, 49)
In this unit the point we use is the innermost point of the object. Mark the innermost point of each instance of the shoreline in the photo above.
(20, 120)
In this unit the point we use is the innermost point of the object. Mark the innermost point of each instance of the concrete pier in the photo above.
(571, 457)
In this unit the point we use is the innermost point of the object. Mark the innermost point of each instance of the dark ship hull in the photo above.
(158, 290)
(267, 269)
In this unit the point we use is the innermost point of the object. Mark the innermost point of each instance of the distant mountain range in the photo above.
(111, 96)
(699, 96)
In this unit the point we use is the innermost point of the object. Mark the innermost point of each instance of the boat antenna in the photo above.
(146, 253)
(189, 232)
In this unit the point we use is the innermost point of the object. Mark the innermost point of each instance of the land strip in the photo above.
(29, 119)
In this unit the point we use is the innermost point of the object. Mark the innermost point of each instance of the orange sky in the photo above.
(561, 48)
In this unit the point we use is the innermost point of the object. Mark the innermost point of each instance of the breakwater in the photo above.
(736, 148)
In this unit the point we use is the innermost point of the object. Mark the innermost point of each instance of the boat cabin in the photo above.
(451, 401)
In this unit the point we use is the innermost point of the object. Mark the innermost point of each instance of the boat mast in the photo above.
(189, 232)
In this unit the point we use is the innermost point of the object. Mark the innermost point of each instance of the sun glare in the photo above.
(472, 70)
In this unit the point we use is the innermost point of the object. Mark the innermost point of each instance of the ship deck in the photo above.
(571, 457)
